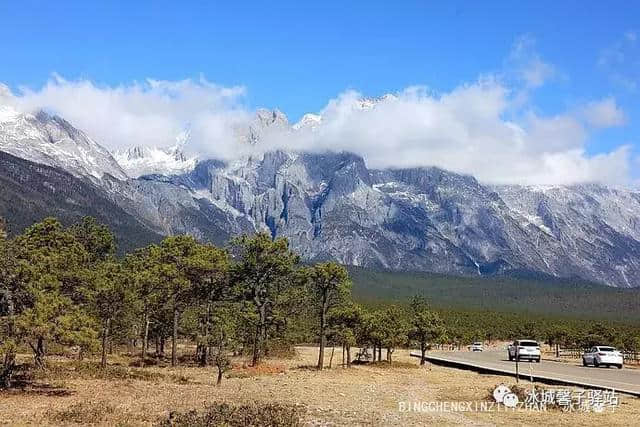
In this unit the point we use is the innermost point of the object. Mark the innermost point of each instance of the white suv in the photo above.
(524, 349)
(602, 355)
(476, 346)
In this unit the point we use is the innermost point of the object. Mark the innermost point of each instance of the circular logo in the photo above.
(500, 392)
(510, 400)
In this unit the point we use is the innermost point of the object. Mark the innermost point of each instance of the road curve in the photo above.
(622, 380)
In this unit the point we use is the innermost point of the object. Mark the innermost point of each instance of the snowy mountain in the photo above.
(140, 160)
(264, 122)
(332, 206)
(308, 121)
(52, 141)
(312, 121)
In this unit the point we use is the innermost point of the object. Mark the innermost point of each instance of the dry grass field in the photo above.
(73, 393)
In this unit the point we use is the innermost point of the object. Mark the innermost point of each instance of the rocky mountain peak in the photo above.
(332, 206)
(51, 140)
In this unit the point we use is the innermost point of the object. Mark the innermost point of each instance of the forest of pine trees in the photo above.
(66, 287)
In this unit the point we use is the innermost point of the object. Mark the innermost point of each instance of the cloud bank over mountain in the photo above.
(483, 128)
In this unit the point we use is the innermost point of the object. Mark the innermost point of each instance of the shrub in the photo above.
(86, 412)
(92, 370)
(228, 415)
(281, 349)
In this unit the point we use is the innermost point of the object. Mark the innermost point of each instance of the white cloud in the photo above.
(527, 64)
(604, 113)
(152, 113)
(464, 130)
(621, 61)
(525, 70)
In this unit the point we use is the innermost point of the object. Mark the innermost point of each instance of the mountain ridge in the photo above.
(330, 205)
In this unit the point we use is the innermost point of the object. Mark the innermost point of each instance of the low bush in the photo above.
(281, 349)
(86, 412)
(93, 370)
(223, 414)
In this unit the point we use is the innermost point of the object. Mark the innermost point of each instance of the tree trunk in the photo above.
(379, 352)
(374, 352)
(389, 351)
(219, 380)
(348, 356)
(333, 349)
(219, 359)
(205, 351)
(343, 355)
(260, 334)
(322, 338)
(7, 369)
(105, 335)
(423, 351)
(10, 355)
(39, 353)
(145, 340)
(174, 338)
(557, 350)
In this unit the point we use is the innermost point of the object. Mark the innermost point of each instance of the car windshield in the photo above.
(607, 349)
(528, 344)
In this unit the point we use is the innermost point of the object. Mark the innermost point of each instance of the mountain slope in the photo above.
(332, 206)
(52, 141)
(140, 160)
(539, 296)
(32, 192)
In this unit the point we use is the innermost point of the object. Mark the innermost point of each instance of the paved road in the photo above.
(618, 379)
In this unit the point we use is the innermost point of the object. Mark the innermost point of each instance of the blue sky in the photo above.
(297, 55)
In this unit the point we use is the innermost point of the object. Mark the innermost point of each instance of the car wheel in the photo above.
(538, 360)
(619, 366)
(510, 358)
(584, 362)
(596, 363)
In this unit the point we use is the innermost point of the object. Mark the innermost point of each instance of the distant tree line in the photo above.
(65, 286)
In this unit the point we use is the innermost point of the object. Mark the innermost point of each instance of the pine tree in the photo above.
(426, 326)
(184, 268)
(49, 301)
(111, 297)
(263, 273)
(329, 286)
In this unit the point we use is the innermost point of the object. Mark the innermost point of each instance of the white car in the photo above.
(602, 355)
(476, 346)
(524, 349)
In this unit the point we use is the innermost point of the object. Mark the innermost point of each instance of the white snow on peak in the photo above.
(8, 113)
(52, 141)
(264, 122)
(267, 118)
(308, 121)
(141, 160)
(312, 121)
(370, 103)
